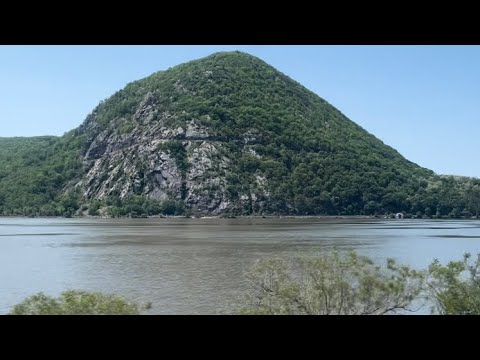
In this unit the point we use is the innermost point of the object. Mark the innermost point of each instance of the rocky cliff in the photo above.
(224, 134)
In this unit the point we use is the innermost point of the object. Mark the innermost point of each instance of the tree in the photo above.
(75, 302)
(428, 212)
(473, 199)
(455, 287)
(94, 207)
(339, 284)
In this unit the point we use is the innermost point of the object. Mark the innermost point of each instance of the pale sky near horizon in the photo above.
(423, 101)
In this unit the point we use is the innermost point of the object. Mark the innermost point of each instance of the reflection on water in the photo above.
(196, 266)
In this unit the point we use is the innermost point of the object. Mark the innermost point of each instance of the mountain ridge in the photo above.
(227, 134)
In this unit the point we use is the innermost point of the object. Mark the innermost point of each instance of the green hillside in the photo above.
(226, 134)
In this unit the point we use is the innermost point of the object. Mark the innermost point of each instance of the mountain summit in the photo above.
(224, 134)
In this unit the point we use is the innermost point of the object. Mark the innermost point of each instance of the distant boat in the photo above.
(398, 216)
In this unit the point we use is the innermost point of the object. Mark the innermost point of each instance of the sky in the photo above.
(424, 101)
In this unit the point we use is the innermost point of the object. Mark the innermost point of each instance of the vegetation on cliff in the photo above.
(226, 134)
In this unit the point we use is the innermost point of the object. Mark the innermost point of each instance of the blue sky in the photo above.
(422, 100)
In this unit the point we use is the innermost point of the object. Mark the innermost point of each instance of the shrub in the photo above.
(75, 302)
(331, 284)
(455, 287)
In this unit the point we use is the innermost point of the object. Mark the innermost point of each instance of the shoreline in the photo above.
(201, 217)
(320, 217)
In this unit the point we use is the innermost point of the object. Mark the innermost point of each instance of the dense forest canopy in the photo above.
(226, 134)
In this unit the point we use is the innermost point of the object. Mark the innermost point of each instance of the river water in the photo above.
(197, 266)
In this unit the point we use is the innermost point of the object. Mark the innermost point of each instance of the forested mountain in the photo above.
(226, 134)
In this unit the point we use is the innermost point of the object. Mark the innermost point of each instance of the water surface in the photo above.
(197, 266)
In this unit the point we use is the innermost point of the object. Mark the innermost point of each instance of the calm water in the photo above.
(196, 266)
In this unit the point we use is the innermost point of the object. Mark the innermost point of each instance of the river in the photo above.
(197, 266)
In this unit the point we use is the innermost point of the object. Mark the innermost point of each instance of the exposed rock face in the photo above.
(224, 134)
(229, 133)
(139, 162)
(205, 178)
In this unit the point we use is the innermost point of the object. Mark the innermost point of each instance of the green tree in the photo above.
(455, 287)
(473, 199)
(334, 283)
(75, 302)
(94, 207)
(261, 125)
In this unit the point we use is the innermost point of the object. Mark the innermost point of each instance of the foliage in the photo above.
(473, 198)
(141, 206)
(313, 158)
(455, 287)
(34, 173)
(178, 153)
(335, 283)
(76, 303)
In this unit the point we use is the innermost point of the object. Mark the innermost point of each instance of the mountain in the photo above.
(226, 134)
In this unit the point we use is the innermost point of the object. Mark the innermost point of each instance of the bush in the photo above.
(75, 302)
(455, 287)
(331, 284)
